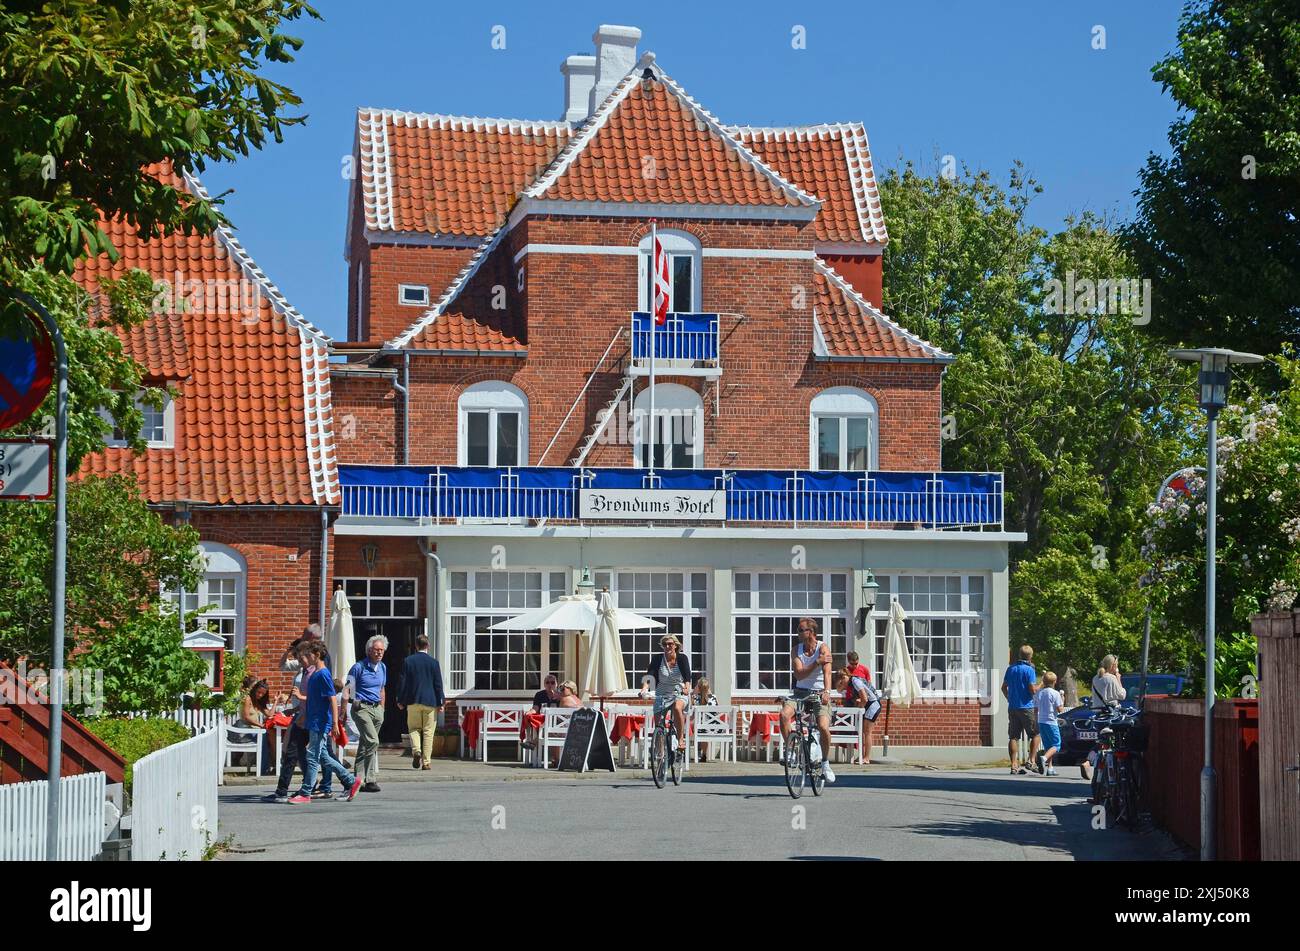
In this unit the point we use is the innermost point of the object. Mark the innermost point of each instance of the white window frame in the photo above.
(461, 636)
(824, 616)
(493, 397)
(691, 615)
(168, 417)
(675, 244)
(963, 616)
(401, 295)
(844, 403)
(363, 600)
(673, 402)
(221, 563)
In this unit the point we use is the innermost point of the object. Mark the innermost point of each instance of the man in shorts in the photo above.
(810, 663)
(1019, 684)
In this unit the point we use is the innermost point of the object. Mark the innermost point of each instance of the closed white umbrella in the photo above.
(339, 639)
(605, 671)
(899, 681)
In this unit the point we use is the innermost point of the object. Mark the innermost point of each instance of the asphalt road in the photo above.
(721, 811)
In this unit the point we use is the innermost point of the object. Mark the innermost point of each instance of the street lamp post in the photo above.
(1213, 380)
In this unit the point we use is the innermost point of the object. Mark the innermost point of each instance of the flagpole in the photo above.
(654, 323)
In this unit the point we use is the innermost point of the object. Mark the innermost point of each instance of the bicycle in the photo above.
(1118, 782)
(802, 759)
(664, 749)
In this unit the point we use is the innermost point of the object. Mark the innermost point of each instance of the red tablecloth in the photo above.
(762, 725)
(470, 722)
(626, 726)
(532, 721)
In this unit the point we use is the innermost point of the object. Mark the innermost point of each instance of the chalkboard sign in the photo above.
(586, 745)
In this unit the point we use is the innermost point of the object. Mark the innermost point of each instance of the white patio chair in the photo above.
(241, 739)
(555, 727)
(846, 730)
(774, 739)
(501, 724)
(715, 726)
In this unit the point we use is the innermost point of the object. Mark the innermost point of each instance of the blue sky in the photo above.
(986, 82)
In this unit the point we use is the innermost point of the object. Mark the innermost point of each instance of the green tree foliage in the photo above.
(1219, 219)
(1061, 388)
(95, 91)
(136, 738)
(145, 667)
(120, 556)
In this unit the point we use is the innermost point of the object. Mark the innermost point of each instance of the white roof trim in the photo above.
(453, 290)
(314, 356)
(588, 131)
(848, 290)
(644, 209)
(819, 339)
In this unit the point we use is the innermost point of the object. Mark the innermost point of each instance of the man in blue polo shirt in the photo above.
(367, 681)
(1019, 684)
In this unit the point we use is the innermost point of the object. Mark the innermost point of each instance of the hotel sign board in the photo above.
(679, 505)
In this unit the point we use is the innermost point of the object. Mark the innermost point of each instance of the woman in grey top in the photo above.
(670, 673)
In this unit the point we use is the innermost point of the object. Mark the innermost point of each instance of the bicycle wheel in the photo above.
(793, 758)
(817, 779)
(659, 758)
(676, 765)
(1128, 796)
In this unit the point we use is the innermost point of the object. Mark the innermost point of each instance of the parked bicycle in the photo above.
(665, 753)
(803, 753)
(1119, 769)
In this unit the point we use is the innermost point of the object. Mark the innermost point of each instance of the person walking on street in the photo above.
(1048, 703)
(367, 684)
(419, 693)
(295, 743)
(1107, 688)
(322, 714)
(1019, 684)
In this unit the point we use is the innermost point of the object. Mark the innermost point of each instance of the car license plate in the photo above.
(1086, 734)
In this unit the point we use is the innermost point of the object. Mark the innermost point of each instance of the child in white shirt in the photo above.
(1049, 703)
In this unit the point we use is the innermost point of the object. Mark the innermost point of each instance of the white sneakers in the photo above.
(827, 771)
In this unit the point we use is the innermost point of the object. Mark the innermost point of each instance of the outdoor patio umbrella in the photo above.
(573, 612)
(605, 671)
(899, 682)
(339, 641)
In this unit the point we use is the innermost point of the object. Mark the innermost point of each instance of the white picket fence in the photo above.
(196, 721)
(23, 814)
(174, 800)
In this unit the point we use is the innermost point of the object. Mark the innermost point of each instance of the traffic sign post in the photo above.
(19, 402)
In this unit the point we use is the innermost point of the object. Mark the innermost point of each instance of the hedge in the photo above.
(132, 739)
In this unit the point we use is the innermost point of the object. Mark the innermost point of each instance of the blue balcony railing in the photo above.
(437, 494)
(683, 338)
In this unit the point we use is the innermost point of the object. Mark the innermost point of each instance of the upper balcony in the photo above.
(686, 345)
(434, 495)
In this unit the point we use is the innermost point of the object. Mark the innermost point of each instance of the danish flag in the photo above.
(661, 285)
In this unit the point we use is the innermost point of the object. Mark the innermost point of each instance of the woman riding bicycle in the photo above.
(671, 675)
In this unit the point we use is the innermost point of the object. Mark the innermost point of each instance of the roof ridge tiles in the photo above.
(485, 123)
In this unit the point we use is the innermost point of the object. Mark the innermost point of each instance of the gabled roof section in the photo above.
(658, 145)
(448, 175)
(847, 327)
(833, 162)
(253, 423)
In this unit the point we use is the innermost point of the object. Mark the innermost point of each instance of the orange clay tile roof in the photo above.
(847, 327)
(448, 175)
(656, 144)
(832, 162)
(253, 405)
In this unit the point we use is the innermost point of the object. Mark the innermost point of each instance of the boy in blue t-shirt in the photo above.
(322, 714)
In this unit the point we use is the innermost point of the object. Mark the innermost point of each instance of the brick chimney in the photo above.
(579, 80)
(615, 57)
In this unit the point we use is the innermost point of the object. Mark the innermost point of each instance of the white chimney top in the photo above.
(615, 57)
(579, 79)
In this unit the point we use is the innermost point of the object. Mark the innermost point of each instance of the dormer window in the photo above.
(413, 295)
(683, 252)
(159, 427)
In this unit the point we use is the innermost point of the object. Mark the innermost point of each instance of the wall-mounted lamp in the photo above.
(370, 556)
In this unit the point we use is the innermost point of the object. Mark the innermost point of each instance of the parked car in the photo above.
(1076, 744)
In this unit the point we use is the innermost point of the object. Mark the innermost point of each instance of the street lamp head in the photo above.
(1215, 374)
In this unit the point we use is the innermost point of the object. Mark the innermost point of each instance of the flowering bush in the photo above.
(1258, 520)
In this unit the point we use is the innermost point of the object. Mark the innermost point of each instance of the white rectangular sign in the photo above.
(654, 504)
(24, 470)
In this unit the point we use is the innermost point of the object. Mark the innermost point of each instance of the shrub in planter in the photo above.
(446, 742)
(133, 739)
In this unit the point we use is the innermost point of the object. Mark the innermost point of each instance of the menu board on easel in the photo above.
(586, 745)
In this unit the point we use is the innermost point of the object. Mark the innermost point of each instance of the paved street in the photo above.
(723, 811)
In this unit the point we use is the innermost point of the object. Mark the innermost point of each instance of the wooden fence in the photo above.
(1279, 734)
(1174, 760)
(23, 814)
(174, 800)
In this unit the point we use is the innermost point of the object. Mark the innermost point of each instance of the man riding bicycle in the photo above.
(671, 675)
(810, 662)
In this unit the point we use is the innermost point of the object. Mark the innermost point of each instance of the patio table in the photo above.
(760, 727)
(627, 726)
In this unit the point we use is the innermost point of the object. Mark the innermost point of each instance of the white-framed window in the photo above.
(677, 599)
(493, 425)
(413, 295)
(843, 424)
(223, 591)
(382, 598)
(159, 427)
(766, 610)
(683, 250)
(947, 620)
(679, 427)
(487, 660)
